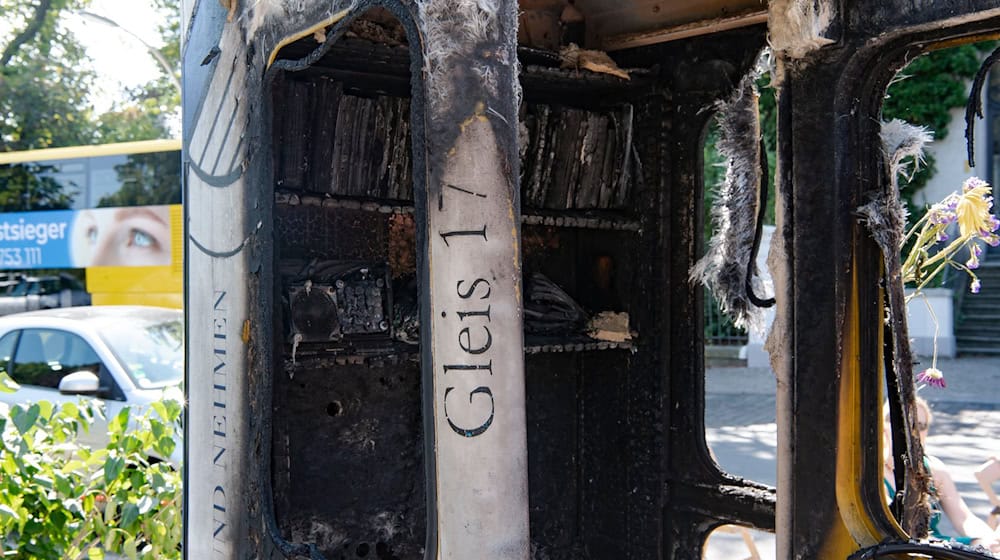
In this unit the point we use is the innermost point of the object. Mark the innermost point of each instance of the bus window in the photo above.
(110, 214)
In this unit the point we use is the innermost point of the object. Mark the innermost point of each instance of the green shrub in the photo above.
(59, 499)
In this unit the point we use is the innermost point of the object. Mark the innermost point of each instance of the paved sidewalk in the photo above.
(740, 428)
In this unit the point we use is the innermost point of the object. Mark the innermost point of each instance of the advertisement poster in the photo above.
(127, 236)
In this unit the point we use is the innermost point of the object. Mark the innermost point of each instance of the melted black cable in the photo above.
(758, 230)
(974, 107)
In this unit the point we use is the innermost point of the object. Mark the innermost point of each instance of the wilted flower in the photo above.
(971, 209)
(974, 204)
(973, 262)
(931, 376)
(943, 213)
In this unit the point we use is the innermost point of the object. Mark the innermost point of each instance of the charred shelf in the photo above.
(366, 65)
(584, 219)
(391, 352)
(374, 354)
(580, 343)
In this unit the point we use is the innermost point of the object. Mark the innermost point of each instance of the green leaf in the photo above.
(160, 409)
(119, 424)
(9, 464)
(8, 512)
(43, 481)
(71, 410)
(44, 409)
(145, 504)
(130, 513)
(112, 468)
(166, 445)
(63, 484)
(129, 548)
(110, 512)
(95, 553)
(25, 419)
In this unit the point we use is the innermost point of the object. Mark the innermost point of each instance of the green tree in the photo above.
(926, 90)
(147, 179)
(44, 81)
(146, 112)
(26, 187)
(46, 78)
(924, 93)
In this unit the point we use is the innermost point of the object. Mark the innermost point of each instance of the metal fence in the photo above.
(719, 329)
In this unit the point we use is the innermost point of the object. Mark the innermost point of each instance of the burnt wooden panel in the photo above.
(604, 491)
(553, 467)
(348, 458)
(328, 233)
(666, 380)
(882, 18)
(639, 281)
(327, 95)
(344, 144)
(595, 419)
(293, 131)
(574, 158)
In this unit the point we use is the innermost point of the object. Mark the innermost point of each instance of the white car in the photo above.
(122, 355)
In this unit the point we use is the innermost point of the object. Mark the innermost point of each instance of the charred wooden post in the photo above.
(692, 479)
(465, 186)
(827, 268)
(472, 336)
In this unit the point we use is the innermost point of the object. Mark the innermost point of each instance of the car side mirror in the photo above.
(80, 383)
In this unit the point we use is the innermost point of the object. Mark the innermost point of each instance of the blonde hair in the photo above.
(921, 404)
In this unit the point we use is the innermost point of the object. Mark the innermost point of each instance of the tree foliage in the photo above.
(26, 186)
(930, 86)
(59, 499)
(147, 111)
(924, 93)
(147, 179)
(46, 80)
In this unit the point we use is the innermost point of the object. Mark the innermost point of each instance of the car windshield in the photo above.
(151, 352)
(19, 289)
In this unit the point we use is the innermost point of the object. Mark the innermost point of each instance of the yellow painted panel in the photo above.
(134, 279)
(175, 301)
(858, 529)
(177, 238)
(143, 285)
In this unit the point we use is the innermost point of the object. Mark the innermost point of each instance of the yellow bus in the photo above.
(113, 210)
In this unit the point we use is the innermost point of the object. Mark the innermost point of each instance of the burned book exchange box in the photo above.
(606, 248)
(439, 270)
